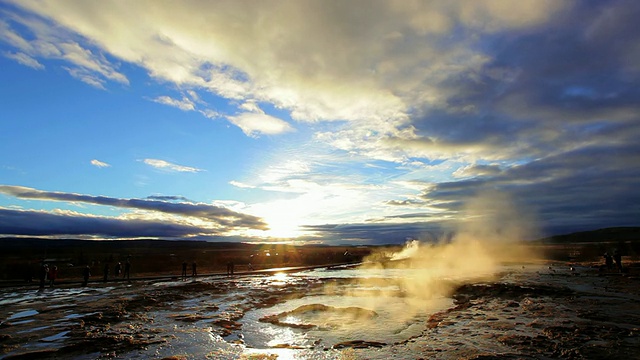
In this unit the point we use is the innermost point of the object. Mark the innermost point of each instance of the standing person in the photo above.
(86, 273)
(608, 260)
(53, 275)
(618, 259)
(42, 275)
(118, 270)
(127, 270)
(105, 272)
(184, 270)
(194, 271)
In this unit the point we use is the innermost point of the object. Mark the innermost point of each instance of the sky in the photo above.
(338, 122)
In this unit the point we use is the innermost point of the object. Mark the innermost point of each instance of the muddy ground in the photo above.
(557, 311)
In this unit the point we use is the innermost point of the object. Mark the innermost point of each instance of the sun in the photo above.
(282, 228)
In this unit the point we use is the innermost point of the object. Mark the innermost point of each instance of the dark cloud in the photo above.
(410, 216)
(223, 217)
(557, 106)
(39, 223)
(543, 89)
(168, 198)
(587, 188)
(405, 202)
(379, 233)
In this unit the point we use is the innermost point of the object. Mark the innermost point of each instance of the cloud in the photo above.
(25, 60)
(535, 98)
(379, 233)
(165, 165)
(223, 218)
(337, 65)
(585, 188)
(168, 198)
(241, 185)
(48, 41)
(184, 104)
(99, 163)
(477, 170)
(258, 123)
(41, 223)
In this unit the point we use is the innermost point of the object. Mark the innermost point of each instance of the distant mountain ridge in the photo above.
(628, 233)
(600, 235)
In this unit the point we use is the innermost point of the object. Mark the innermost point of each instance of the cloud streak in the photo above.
(223, 218)
(253, 124)
(184, 104)
(100, 164)
(41, 223)
(165, 165)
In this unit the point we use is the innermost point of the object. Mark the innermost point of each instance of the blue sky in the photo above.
(325, 121)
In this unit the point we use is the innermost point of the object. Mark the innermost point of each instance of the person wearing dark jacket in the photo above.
(86, 274)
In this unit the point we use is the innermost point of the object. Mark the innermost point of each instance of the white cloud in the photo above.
(373, 71)
(477, 170)
(165, 165)
(211, 114)
(86, 77)
(241, 185)
(251, 106)
(185, 104)
(99, 163)
(253, 124)
(320, 67)
(25, 60)
(52, 42)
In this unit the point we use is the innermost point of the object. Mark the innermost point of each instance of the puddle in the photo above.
(56, 337)
(22, 314)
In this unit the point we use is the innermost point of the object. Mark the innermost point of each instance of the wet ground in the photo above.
(525, 312)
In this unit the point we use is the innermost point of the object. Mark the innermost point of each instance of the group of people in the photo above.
(46, 273)
(194, 272)
(126, 274)
(609, 260)
(118, 271)
(50, 274)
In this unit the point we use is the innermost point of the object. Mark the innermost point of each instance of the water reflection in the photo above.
(278, 279)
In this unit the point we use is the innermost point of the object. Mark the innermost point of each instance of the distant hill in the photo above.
(600, 235)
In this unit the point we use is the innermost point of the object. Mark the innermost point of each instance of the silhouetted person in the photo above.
(53, 275)
(86, 273)
(184, 270)
(618, 259)
(118, 270)
(105, 272)
(194, 271)
(42, 275)
(608, 260)
(250, 267)
(127, 271)
(230, 268)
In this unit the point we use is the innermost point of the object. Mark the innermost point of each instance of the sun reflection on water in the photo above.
(280, 278)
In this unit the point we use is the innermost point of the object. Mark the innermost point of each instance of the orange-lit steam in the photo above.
(490, 232)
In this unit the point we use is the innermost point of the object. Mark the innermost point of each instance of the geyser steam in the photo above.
(489, 233)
